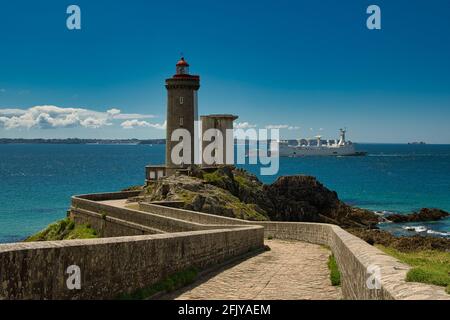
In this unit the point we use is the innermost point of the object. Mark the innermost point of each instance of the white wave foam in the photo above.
(444, 234)
(415, 228)
(420, 229)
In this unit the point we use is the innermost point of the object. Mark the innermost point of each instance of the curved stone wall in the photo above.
(110, 266)
(366, 272)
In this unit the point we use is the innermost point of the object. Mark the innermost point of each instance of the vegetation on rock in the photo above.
(65, 229)
(429, 266)
(215, 193)
(429, 256)
(403, 244)
(233, 192)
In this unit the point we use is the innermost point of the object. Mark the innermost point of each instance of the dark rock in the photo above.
(165, 189)
(424, 214)
(233, 192)
(303, 198)
(405, 244)
(198, 202)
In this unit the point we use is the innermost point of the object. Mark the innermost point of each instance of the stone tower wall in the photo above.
(221, 123)
(177, 88)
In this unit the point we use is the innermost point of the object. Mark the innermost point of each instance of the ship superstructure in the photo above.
(319, 147)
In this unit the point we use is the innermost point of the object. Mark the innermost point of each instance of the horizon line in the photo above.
(146, 139)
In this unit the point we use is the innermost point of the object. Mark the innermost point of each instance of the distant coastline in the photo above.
(81, 141)
(152, 141)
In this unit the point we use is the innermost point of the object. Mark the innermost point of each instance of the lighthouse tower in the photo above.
(182, 110)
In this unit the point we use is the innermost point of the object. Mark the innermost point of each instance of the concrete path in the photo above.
(290, 270)
(121, 203)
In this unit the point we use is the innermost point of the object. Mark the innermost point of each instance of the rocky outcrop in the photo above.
(303, 198)
(201, 195)
(236, 193)
(424, 214)
(404, 244)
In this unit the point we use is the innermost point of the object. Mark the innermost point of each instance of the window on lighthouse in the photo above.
(181, 121)
(182, 70)
(182, 66)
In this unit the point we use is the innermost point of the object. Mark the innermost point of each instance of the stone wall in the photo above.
(80, 204)
(357, 260)
(121, 263)
(107, 226)
(109, 195)
(112, 266)
(187, 215)
(91, 211)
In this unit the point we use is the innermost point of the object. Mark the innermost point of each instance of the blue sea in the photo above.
(37, 180)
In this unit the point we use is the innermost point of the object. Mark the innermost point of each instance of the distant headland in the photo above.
(80, 141)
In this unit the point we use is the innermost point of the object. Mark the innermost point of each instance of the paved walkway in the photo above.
(121, 203)
(290, 270)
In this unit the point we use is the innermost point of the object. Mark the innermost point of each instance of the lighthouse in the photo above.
(185, 144)
(182, 112)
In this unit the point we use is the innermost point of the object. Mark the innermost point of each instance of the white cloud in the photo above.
(117, 114)
(48, 117)
(243, 125)
(282, 126)
(277, 126)
(113, 112)
(162, 126)
(131, 124)
(11, 112)
(135, 123)
(130, 116)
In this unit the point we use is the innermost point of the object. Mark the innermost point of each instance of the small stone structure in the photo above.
(218, 125)
(154, 172)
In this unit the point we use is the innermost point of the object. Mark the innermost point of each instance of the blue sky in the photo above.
(309, 65)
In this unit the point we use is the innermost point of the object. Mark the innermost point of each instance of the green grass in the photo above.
(429, 266)
(245, 211)
(64, 230)
(186, 196)
(171, 283)
(335, 275)
(214, 178)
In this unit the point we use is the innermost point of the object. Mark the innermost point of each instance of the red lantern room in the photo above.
(182, 67)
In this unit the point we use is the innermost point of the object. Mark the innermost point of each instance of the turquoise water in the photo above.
(36, 181)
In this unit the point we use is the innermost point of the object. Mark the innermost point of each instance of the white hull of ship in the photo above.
(303, 151)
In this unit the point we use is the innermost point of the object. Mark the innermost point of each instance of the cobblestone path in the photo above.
(290, 270)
